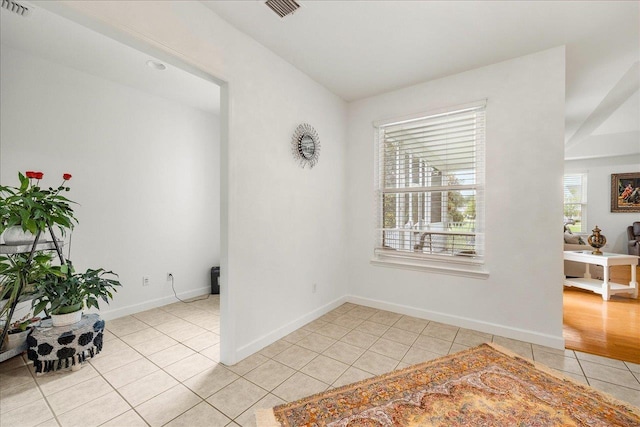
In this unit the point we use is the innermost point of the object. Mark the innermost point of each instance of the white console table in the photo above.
(603, 287)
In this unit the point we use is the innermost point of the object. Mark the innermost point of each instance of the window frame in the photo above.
(583, 199)
(456, 264)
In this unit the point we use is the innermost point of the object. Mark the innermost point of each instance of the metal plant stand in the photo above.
(31, 249)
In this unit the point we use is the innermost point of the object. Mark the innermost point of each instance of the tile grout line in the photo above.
(161, 369)
(269, 393)
(378, 338)
(180, 382)
(123, 398)
(34, 376)
(186, 410)
(116, 390)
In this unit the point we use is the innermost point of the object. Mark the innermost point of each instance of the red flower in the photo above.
(66, 176)
(38, 175)
(31, 174)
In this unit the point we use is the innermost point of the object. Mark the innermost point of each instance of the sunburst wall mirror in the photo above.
(305, 145)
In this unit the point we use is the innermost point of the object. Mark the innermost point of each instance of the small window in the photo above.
(430, 187)
(575, 202)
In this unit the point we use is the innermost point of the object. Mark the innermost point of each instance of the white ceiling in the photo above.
(359, 49)
(54, 38)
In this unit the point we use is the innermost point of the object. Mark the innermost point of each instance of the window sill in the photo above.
(475, 271)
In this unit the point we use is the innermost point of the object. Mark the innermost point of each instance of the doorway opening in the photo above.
(143, 133)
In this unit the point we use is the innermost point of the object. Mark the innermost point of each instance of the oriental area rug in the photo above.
(482, 386)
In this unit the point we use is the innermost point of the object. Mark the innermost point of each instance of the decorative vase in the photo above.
(597, 241)
(15, 235)
(68, 316)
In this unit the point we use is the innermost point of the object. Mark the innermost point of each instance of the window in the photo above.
(430, 187)
(575, 202)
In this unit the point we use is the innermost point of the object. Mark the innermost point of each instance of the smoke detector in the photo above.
(15, 7)
(282, 7)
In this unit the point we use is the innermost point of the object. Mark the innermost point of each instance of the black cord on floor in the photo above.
(178, 298)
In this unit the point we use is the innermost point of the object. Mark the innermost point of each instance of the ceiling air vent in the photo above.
(15, 7)
(281, 7)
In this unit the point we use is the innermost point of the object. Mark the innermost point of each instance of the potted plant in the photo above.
(18, 332)
(25, 212)
(62, 293)
(30, 209)
(17, 270)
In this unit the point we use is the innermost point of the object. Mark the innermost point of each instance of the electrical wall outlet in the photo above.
(169, 277)
(145, 281)
(314, 288)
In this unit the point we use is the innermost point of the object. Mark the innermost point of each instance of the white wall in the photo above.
(283, 228)
(522, 298)
(145, 174)
(613, 224)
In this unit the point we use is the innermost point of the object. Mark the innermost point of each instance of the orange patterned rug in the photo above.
(482, 386)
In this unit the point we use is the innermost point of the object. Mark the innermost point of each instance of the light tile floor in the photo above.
(160, 367)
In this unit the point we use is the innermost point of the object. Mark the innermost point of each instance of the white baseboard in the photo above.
(263, 341)
(107, 314)
(464, 322)
(260, 343)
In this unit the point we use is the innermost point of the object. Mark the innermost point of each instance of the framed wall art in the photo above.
(625, 192)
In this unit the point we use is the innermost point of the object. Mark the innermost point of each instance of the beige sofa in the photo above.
(577, 269)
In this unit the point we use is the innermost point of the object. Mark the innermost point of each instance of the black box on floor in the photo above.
(215, 280)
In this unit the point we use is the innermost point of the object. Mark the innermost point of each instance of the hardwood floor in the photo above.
(606, 328)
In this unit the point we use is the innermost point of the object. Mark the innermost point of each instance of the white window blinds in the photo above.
(575, 202)
(431, 186)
